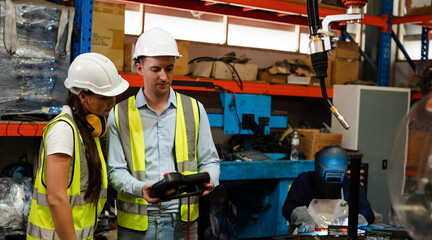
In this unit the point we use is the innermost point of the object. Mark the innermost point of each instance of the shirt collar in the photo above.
(141, 101)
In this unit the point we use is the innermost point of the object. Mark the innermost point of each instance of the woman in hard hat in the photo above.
(71, 183)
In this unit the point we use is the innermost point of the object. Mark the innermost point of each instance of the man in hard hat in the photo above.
(319, 198)
(153, 133)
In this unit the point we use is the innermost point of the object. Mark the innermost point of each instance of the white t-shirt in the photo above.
(60, 138)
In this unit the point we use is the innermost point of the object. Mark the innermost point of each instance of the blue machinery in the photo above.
(247, 114)
(262, 186)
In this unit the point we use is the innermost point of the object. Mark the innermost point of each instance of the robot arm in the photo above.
(320, 42)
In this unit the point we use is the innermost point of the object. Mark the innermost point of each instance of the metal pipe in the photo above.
(353, 202)
(405, 53)
(313, 16)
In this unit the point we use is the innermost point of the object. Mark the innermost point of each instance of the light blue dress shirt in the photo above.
(159, 131)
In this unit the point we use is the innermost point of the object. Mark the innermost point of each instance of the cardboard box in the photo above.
(181, 65)
(416, 144)
(279, 70)
(418, 7)
(128, 64)
(201, 68)
(293, 79)
(344, 70)
(273, 78)
(347, 50)
(108, 31)
(312, 140)
(247, 71)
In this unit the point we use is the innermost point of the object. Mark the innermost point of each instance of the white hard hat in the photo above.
(95, 72)
(156, 42)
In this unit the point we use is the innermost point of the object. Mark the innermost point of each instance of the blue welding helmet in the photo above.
(331, 164)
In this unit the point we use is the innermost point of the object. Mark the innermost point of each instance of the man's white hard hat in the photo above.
(156, 42)
(95, 72)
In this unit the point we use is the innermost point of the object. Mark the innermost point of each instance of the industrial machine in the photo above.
(248, 115)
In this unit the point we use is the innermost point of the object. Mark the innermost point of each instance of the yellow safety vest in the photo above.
(40, 224)
(132, 212)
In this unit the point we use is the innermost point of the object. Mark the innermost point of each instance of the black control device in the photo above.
(176, 185)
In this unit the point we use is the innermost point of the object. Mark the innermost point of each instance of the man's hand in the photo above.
(209, 186)
(146, 195)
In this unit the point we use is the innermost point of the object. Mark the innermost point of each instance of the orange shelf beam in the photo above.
(135, 80)
(21, 129)
(264, 10)
(412, 19)
(416, 95)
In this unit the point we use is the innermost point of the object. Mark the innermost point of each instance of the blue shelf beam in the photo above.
(405, 53)
(425, 44)
(83, 22)
(385, 46)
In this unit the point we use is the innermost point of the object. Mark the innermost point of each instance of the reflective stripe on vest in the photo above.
(132, 212)
(40, 225)
(186, 138)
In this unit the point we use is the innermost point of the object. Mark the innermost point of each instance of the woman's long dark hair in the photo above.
(94, 165)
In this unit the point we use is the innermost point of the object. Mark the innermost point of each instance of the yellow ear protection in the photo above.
(98, 124)
(95, 124)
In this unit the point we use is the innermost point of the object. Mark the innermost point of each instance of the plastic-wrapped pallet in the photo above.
(35, 40)
(15, 202)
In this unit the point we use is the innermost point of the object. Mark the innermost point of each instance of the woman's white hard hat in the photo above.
(156, 42)
(96, 73)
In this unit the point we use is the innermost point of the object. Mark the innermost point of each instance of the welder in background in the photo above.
(319, 198)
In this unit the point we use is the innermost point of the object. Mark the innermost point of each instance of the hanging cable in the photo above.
(319, 57)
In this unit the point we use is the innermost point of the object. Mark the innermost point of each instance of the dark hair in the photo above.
(91, 152)
(138, 59)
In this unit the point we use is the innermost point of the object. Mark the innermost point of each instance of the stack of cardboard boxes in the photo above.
(108, 31)
(344, 62)
(418, 7)
(312, 140)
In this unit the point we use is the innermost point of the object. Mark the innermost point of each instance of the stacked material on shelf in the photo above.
(35, 40)
(15, 201)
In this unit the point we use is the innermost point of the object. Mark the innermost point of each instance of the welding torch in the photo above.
(320, 43)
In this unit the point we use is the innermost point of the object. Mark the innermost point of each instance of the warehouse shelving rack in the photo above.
(295, 12)
(270, 10)
(281, 11)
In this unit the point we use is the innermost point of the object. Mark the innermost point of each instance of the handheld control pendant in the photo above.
(176, 185)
